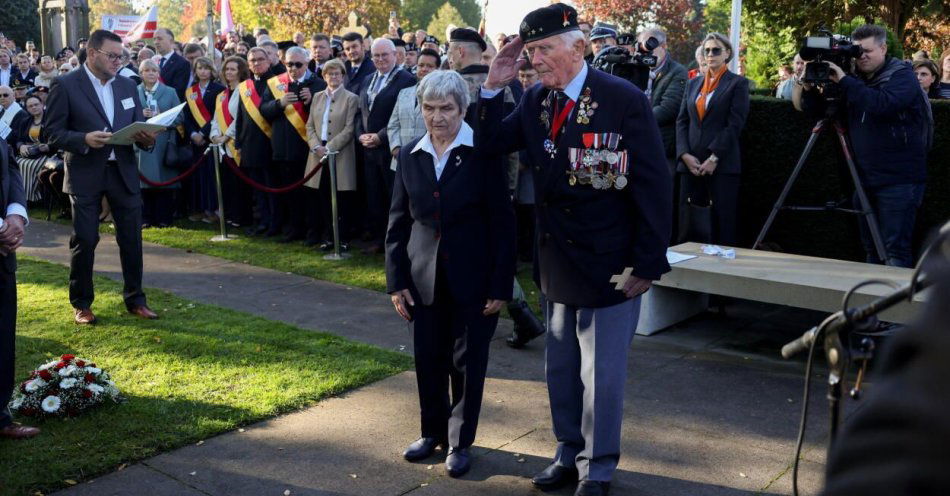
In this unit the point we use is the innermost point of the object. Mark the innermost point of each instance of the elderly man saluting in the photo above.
(603, 204)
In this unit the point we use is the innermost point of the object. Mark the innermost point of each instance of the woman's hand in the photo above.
(402, 300)
(197, 139)
(707, 167)
(320, 151)
(24, 150)
(692, 163)
(493, 306)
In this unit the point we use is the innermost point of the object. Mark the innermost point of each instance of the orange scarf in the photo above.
(710, 82)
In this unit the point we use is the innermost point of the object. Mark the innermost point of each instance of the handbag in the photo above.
(54, 163)
(178, 155)
(695, 222)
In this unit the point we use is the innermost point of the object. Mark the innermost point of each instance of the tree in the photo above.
(169, 15)
(417, 14)
(99, 8)
(327, 16)
(19, 21)
(446, 15)
(679, 18)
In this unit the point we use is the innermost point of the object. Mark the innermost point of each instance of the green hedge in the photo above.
(773, 139)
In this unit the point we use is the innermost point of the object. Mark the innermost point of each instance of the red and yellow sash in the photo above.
(296, 113)
(224, 119)
(197, 106)
(252, 103)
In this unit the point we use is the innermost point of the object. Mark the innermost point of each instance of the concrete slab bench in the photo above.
(766, 276)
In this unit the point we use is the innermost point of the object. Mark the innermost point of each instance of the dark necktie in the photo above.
(161, 64)
(560, 100)
(2, 111)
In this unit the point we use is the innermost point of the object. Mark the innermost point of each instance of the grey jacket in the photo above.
(666, 97)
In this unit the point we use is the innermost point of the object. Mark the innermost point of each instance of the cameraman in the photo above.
(884, 108)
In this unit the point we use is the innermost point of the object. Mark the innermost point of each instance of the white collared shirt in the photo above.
(465, 137)
(326, 114)
(106, 98)
(5, 75)
(16, 209)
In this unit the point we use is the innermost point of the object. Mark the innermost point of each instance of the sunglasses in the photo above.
(6, 95)
(296, 65)
(713, 51)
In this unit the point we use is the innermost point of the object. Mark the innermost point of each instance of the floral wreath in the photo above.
(64, 387)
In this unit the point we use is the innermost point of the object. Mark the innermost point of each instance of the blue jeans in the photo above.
(895, 207)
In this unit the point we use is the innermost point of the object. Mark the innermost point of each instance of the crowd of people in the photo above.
(596, 174)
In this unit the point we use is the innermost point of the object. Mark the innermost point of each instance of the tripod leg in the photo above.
(815, 132)
(866, 210)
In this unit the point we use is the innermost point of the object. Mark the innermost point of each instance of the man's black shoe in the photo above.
(458, 462)
(592, 488)
(421, 448)
(555, 477)
(527, 326)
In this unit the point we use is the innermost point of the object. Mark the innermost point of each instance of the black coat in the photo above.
(586, 236)
(11, 191)
(286, 142)
(375, 119)
(208, 97)
(175, 73)
(720, 129)
(16, 125)
(464, 221)
(255, 146)
(355, 81)
(16, 78)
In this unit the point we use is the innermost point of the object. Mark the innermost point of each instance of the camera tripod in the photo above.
(864, 207)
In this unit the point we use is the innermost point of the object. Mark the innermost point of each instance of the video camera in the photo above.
(819, 50)
(634, 67)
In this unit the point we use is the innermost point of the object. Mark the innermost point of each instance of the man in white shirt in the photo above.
(6, 67)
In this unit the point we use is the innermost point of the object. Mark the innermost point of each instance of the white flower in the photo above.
(68, 383)
(94, 370)
(35, 384)
(51, 403)
(111, 383)
(68, 371)
(17, 403)
(95, 388)
(48, 365)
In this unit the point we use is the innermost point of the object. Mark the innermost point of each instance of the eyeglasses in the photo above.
(296, 65)
(713, 51)
(113, 57)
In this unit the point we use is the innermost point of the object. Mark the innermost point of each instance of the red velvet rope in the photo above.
(237, 170)
(191, 170)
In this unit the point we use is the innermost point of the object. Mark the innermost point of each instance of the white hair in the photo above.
(439, 85)
(386, 42)
(657, 33)
(296, 50)
(571, 37)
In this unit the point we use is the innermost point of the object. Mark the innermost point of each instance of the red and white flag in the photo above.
(146, 26)
(227, 21)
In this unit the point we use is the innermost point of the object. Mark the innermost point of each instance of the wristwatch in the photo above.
(714, 159)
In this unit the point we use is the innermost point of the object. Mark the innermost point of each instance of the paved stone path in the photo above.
(710, 409)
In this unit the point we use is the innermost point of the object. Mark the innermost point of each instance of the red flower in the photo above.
(33, 375)
(67, 357)
(45, 375)
(80, 363)
(90, 378)
(86, 393)
(59, 365)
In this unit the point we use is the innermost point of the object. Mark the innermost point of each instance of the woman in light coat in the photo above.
(331, 128)
(156, 97)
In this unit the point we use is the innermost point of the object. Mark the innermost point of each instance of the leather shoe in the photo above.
(84, 316)
(17, 431)
(527, 326)
(592, 488)
(143, 311)
(458, 462)
(555, 477)
(421, 448)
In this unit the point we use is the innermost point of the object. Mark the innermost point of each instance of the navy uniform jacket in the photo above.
(585, 236)
(463, 222)
(254, 144)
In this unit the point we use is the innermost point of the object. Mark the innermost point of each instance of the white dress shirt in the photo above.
(326, 114)
(5, 75)
(106, 99)
(465, 137)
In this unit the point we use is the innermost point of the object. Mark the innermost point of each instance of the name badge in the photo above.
(128, 103)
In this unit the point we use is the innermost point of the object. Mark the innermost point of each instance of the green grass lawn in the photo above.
(364, 271)
(198, 371)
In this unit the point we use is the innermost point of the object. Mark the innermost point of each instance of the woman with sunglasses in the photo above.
(710, 121)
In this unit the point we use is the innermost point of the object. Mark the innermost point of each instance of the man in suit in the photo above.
(83, 110)
(603, 205)
(6, 67)
(321, 52)
(253, 138)
(13, 220)
(378, 95)
(12, 116)
(288, 109)
(357, 66)
(174, 70)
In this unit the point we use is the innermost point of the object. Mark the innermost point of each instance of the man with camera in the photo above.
(883, 108)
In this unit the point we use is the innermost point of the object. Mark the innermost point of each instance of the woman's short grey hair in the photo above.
(148, 64)
(720, 38)
(439, 85)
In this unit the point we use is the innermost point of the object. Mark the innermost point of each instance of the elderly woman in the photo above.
(156, 97)
(450, 254)
(31, 148)
(330, 128)
(710, 121)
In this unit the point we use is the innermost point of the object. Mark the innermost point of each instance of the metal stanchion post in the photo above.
(224, 236)
(334, 209)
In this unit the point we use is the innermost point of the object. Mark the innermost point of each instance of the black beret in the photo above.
(548, 21)
(431, 39)
(411, 47)
(467, 36)
(399, 42)
(336, 45)
(602, 32)
(284, 45)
